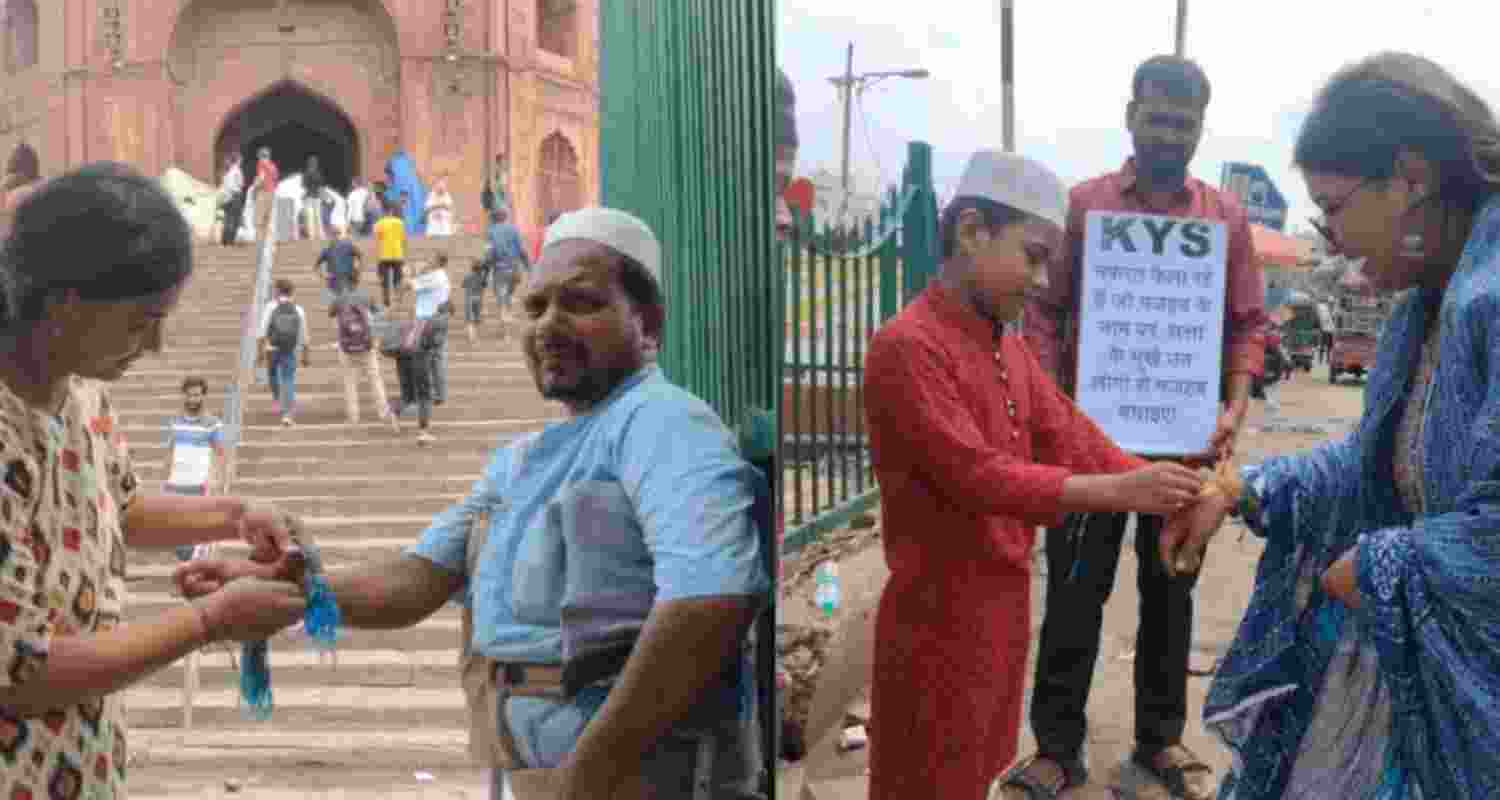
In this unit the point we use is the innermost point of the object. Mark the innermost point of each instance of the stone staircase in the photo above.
(391, 708)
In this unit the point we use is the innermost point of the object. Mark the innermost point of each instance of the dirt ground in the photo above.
(1306, 411)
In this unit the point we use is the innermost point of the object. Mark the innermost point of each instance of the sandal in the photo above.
(1184, 775)
(1034, 785)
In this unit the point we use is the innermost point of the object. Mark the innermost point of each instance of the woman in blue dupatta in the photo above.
(1367, 665)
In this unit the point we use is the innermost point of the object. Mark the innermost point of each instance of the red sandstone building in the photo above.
(455, 83)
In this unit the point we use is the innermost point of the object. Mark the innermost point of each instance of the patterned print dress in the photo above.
(64, 482)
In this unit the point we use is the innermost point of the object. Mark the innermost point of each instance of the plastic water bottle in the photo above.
(827, 581)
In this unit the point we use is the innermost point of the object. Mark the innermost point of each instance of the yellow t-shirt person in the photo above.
(390, 238)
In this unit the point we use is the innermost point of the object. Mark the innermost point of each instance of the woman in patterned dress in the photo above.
(90, 269)
(1367, 665)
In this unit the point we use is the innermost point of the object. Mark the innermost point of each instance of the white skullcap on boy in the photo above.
(612, 228)
(1016, 182)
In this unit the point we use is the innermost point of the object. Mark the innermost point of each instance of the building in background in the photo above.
(1263, 202)
(182, 83)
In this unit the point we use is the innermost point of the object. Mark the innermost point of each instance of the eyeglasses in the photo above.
(1332, 210)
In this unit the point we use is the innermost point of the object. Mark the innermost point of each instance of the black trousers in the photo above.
(1082, 557)
(414, 370)
(234, 212)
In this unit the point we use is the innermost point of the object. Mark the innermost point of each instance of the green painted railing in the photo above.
(686, 143)
(842, 284)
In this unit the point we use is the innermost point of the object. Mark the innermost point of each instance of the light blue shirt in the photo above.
(664, 499)
(432, 289)
(646, 499)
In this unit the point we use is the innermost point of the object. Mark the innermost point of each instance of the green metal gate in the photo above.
(686, 141)
(686, 144)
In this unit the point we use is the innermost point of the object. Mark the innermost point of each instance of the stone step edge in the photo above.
(403, 698)
(217, 657)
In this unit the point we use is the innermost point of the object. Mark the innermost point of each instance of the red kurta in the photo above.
(971, 444)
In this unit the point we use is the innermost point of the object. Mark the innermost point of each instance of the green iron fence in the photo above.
(842, 284)
(686, 115)
(686, 144)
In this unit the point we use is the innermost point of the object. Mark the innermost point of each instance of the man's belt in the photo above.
(529, 680)
(566, 680)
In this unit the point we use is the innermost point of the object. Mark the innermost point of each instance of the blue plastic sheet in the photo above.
(401, 175)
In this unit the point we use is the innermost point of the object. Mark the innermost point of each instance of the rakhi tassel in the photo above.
(255, 679)
(321, 617)
(320, 620)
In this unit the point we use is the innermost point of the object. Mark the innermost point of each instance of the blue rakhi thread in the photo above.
(320, 620)
(255, 679)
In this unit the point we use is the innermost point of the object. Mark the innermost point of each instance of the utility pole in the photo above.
(1008, 74)
(850, 85)
(847, 92)
(1181, 28)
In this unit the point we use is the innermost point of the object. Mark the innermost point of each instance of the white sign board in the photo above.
(1151, 330)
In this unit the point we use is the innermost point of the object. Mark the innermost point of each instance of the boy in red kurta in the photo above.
(974, 446)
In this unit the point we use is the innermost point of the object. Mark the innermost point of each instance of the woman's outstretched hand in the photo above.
(205, 576)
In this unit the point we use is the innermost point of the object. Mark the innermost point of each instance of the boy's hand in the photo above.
(1160, 488)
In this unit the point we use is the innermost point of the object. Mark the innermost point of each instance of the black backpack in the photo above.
(286, 325)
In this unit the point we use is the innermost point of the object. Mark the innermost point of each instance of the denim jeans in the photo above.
(500, 280)
(185, 551)
(284, 380)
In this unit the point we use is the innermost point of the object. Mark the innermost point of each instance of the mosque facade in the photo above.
(466, 88)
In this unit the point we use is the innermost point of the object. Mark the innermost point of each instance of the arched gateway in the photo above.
(304, 77)
(295, 123)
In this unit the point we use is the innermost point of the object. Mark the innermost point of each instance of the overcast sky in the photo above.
(1074, 60)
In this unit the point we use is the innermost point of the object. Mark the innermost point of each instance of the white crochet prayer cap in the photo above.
(1017, 182)
(612, 228)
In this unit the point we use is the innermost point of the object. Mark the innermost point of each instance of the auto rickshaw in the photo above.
(1301, 332)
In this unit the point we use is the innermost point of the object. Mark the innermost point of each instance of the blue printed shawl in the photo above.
(1430, 585)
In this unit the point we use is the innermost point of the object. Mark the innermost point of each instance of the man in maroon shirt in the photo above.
(266, 178)
(1165, 119)
(974, 445)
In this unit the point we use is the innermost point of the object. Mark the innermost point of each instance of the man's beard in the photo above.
(1163, 168)
(590, 388)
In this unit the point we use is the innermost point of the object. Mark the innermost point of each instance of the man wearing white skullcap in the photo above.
(609, 563)
(974, 445)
